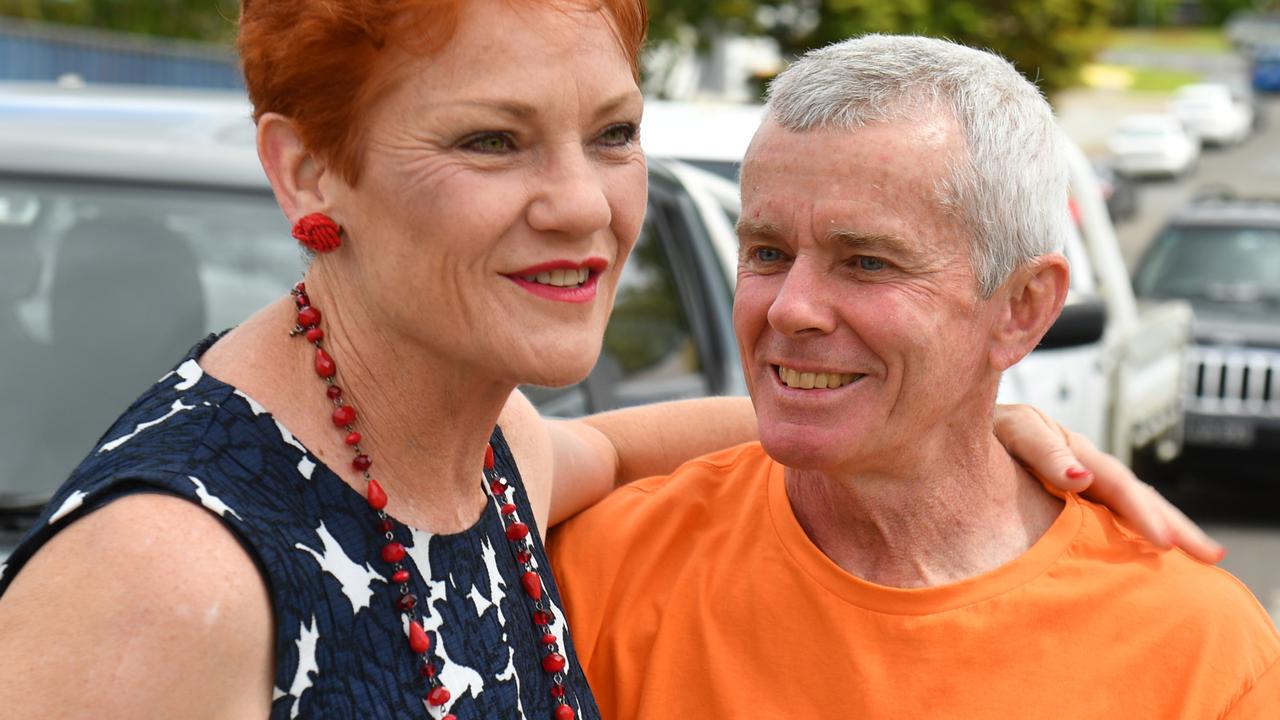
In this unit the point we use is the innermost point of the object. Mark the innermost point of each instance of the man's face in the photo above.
(857, 313)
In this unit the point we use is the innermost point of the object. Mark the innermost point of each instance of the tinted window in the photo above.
(1215, 264)
(102, 289)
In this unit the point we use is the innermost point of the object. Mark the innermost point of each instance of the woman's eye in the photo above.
(619, 135)
(489, 143)
(871, 264)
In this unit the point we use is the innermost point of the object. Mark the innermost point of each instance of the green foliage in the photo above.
(1048, 40)
(211, 20)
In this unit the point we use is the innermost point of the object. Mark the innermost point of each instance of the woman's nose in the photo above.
(570, 197)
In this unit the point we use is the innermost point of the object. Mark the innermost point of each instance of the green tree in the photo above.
(1048, 40)
(211, 20)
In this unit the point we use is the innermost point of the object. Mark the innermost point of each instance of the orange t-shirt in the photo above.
(699, 595)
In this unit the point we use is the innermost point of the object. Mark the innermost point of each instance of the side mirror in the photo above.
(1080, 323)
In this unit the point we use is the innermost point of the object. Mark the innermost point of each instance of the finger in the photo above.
(1188, 536)
(1134, 501)
(1042, 446)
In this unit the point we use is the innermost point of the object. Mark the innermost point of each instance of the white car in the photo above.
(1153, 144)
(1213, 112)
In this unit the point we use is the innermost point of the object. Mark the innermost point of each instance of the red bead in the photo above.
(333, 392)
(498, 488)
(438, 696)
(300, 286)
(418, 640)
(564, 712)
(508, 508)
(542, 617)
(488, 457)
(532, 585)
(400, 577)
(362, 463)
(344, 416)
(553, 662)
(407, 602)
(548, 639)
(387, 525)
(517, 531)
(450, 716)
(393, 552)
(308, 317)
(377, 497)
(428, 670)
(557, 690)
(324, 364)
(353, 438)
(315, 334)
(524, 556)
(301, 300)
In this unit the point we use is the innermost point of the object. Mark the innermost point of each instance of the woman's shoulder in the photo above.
(193, 621)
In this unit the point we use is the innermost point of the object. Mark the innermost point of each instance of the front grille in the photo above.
(1235, 381)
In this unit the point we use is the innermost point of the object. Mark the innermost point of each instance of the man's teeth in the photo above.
(809, 381)
(560, 278)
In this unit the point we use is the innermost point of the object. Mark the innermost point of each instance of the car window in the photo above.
(102, 289)
(649, 351)
(1213, 264)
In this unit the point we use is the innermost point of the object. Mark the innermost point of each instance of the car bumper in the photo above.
(1230, 448)
(1149, 164)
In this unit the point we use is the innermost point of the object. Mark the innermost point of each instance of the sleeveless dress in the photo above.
(340, 643)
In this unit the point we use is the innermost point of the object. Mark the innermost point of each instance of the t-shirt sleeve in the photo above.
(582, 562)
(1262, 700)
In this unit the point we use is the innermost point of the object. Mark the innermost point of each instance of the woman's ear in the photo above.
(293, 171)
(1032, 299)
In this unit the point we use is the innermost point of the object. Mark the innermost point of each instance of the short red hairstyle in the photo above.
(323, 63)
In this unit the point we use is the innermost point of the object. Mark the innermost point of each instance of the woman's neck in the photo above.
(423, 420)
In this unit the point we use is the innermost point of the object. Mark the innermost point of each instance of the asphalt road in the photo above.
(1249, 525)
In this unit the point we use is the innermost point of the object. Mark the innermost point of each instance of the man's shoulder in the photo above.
(1174, 587)
(702, 492)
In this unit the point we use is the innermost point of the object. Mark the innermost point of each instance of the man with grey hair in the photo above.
(877, 554)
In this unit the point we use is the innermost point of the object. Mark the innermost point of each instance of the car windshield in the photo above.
(102, 289)
(1238, 265)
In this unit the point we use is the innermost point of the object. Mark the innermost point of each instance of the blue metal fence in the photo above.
(33, 51)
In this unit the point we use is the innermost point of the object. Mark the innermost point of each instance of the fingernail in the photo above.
(1222, 555)
(1076, 472)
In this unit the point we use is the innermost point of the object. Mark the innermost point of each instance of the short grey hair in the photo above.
(1008, 187)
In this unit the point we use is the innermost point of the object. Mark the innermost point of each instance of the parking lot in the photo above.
(1247, 523)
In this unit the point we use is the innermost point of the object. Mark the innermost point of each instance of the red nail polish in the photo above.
(1076, 473)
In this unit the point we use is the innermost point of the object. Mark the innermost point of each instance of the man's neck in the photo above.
(926, 525)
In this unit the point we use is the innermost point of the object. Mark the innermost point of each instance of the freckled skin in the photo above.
(895, 300)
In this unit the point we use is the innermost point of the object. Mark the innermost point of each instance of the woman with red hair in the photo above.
(319, 513)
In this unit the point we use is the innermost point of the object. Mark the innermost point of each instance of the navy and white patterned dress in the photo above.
(339, 641)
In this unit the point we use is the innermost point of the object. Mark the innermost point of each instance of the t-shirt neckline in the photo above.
(917, 601)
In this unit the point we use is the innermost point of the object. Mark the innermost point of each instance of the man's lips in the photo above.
(806, 379)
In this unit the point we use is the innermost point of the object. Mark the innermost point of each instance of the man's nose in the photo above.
(803, 304)
(570, 197)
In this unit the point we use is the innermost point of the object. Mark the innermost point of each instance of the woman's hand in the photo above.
(1072, 463)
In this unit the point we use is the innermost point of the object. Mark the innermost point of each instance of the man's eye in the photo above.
(489, 143)
(766, 254)
(619, 135)
(871, 264)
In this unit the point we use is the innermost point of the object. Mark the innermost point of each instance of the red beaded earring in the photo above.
(318, 232)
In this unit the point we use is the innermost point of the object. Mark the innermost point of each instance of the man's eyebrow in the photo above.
(863, 242)
(752, 228)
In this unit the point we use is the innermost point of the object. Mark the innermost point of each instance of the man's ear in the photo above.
(293, 171)
(1031, 300)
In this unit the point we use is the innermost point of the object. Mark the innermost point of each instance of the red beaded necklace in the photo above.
(393, 552)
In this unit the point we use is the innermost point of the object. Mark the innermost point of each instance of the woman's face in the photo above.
(504, 186)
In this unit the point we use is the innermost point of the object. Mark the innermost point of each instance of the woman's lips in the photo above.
(562, 280)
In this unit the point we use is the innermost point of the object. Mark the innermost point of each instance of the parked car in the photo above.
(1119, 191)
(1153, 144)
(133, 222)
(1213, 112)
(1222, 253)
(1264, 68)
